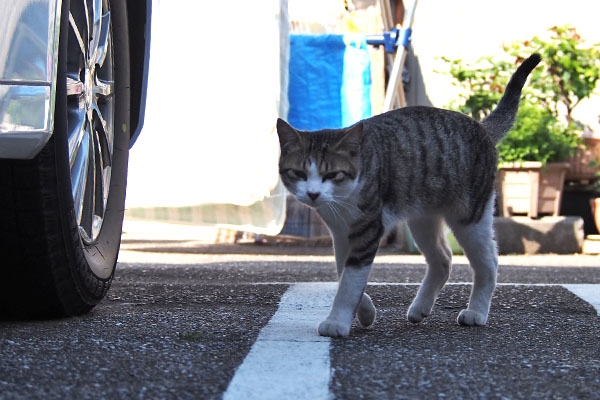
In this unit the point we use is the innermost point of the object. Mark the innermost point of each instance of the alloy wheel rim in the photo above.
(90, 113)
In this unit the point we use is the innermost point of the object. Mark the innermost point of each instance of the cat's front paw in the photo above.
(333, 328)
(471, 318)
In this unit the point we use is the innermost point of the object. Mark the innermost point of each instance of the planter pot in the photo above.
(530, 188)
(595, 205)
(584, 166)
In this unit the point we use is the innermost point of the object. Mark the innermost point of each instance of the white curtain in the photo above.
(217, 83)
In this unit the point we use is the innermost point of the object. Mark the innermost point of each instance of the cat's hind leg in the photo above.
(477, 241)
(429, 236)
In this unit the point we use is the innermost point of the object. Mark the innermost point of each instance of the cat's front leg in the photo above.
(349, 294)
(363, 242)
(366, 312)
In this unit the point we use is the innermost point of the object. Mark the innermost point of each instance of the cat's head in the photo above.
(320, 167)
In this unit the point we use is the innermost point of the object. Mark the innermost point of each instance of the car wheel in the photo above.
(62, 212)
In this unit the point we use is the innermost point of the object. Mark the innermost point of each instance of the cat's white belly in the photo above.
(389, 219)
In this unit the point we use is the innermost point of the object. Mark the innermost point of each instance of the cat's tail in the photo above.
(501, 120)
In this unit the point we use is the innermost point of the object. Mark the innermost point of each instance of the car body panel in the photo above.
(139, 13)
(28, 64)
(28, 57)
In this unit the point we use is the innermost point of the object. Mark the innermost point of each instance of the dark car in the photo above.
(72, 93)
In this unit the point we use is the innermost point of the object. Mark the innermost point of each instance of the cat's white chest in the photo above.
(339, 215)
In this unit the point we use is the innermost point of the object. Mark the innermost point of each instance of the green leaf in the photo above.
(569, 72)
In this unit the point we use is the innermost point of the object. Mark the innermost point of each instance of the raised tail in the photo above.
(501, 120)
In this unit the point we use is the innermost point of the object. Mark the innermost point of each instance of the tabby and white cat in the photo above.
(420, 164)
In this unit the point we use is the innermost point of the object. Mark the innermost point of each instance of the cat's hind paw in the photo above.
(333, 328)
(366, 312)
(471, 318)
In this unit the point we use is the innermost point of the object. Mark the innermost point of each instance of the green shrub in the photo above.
(545, 130)
(538, 136)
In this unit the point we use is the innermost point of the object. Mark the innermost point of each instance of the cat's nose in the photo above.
(313, 196)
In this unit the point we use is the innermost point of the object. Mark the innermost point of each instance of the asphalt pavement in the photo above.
(182, 317)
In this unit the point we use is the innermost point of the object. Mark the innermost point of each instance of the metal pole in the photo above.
(396, 74)
(386, 13)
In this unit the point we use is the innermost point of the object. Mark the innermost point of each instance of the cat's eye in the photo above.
(336, 176)
(296, 174)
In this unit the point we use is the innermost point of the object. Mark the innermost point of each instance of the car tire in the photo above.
(60, 215)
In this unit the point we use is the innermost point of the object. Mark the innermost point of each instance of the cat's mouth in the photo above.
(314, 201)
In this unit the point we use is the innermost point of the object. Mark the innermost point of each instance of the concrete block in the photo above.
(591, 244)
(523, 235)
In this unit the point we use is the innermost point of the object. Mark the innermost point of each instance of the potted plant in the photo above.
(535, 153)
(591, 245)
(595, 199)
(532, 171)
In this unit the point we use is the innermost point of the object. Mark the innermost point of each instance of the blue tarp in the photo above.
(330, 81)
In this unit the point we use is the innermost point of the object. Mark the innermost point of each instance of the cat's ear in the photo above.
(352, 137)
(287, 134)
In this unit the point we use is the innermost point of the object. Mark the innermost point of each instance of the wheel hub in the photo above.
(88, 88)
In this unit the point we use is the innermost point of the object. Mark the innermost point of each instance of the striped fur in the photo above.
(414, 163)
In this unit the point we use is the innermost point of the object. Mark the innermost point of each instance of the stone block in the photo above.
(523, 235)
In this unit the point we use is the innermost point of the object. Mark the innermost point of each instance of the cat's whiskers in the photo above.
(336, 213)
(347, 206)
(333, 211)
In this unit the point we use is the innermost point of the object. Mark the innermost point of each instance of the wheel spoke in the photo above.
(77, 33)
(104, 88)
(102, 174)
(106, 174)
(89, 200)
(106, 135)
(96, 30)
(74, 86)
(99, 172)
(98, 178)
(87, 22)
(105, 156)
(104, 149)
(76, 136)
(101, 51)
(79, 175)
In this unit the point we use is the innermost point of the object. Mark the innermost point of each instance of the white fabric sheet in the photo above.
(217, 83)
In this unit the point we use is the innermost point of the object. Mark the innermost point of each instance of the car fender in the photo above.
(28, 65)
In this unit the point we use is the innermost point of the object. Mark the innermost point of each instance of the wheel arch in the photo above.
(139, 14)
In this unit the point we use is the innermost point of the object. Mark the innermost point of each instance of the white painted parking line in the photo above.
(289, 360)
(588, 292)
